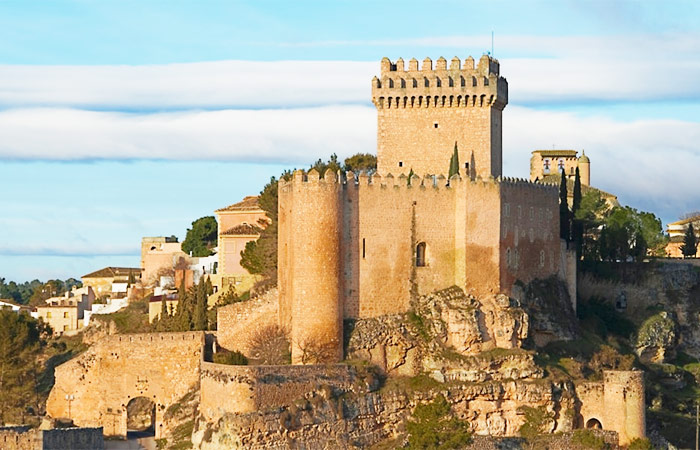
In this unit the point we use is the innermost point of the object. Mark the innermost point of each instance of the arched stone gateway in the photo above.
(126, 379)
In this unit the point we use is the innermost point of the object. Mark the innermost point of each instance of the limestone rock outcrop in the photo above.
(657, 339)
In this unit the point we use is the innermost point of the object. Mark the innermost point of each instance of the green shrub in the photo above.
(234, 358)
(640, 444)
(434, 427)
(588, 439)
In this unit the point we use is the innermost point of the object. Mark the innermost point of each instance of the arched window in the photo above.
(594, 423)
(420, 255)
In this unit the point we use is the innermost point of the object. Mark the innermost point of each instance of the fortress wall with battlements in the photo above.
(530, 245)
(368, 233)
(481, 225)
(432, 108)
(237, 323)
(159, 366)
(241, 389)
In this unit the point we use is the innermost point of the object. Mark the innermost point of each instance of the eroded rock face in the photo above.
(322, 421)
(451, 337)
(657, 338)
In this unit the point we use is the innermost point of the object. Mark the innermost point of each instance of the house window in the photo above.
(48, 315)
(420, 255)
(65, 315)
(65, 327)
(541, 258)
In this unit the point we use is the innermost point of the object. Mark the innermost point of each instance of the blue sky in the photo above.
(122, 119)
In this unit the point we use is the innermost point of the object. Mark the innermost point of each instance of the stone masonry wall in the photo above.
(246, 389)
(18, 438)
(100, 382)
(24, 438)
(238, 322)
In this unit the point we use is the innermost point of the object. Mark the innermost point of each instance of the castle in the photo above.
(358, 246)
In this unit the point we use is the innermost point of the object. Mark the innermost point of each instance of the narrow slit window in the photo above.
(363, 248)
(400, 163)
(420, 255)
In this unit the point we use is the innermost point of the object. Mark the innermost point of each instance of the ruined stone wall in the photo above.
(24, 438)
(530, 245)
(18, 438)
(159, 366)
(590, 395)
(238, 322)
(229, 389)
(422, 113)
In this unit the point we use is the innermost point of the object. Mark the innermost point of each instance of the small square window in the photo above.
(400, 163)
(435, 124)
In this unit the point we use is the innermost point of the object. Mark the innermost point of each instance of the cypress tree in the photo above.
(690, 242)
(200, 312)
(454, 162)
(564, 214)
(577, 223)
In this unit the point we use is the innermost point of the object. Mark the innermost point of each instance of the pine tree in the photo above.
(454, 162)
(577, 223)
(690, 243)
(564, 213)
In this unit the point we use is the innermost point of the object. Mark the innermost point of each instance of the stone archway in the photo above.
(594, 424)
(141, 417)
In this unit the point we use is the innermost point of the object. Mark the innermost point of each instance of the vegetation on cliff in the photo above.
(433, 426)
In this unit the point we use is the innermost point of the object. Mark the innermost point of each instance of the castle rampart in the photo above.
(386, 240)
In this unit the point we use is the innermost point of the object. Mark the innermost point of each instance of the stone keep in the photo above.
(422, 113)
(355, 246)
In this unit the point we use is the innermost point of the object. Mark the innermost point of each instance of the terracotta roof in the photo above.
(243, 229)
(114, 272)
(249, 203)
(556, 152)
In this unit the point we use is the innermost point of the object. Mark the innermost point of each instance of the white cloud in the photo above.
(539, 69)
(279, 135)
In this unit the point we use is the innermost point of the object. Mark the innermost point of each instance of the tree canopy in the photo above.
(202, 237)
(361, 162)
(690, 242)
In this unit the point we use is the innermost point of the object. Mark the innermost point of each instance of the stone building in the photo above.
(676, 233)
(239, 224)
(546, 165)
(158, 253)
(65, 314)
(111, 279)
(371, 243)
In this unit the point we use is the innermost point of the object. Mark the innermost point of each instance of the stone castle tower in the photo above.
(422, 113)
(359, 246)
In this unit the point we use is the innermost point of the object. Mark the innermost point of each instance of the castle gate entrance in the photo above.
(141, 417)
(125, 383)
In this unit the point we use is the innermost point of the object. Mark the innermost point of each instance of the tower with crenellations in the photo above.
(422, 112)
(355, 246)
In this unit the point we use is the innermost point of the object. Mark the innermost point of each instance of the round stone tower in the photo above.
(584, 169)
(309, 279)
(623, 404)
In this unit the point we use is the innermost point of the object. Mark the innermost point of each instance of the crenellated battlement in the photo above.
(352, 181)
(460, 86)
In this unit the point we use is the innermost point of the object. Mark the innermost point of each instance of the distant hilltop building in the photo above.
(547, 165)
(370, 244)
(676, 233)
